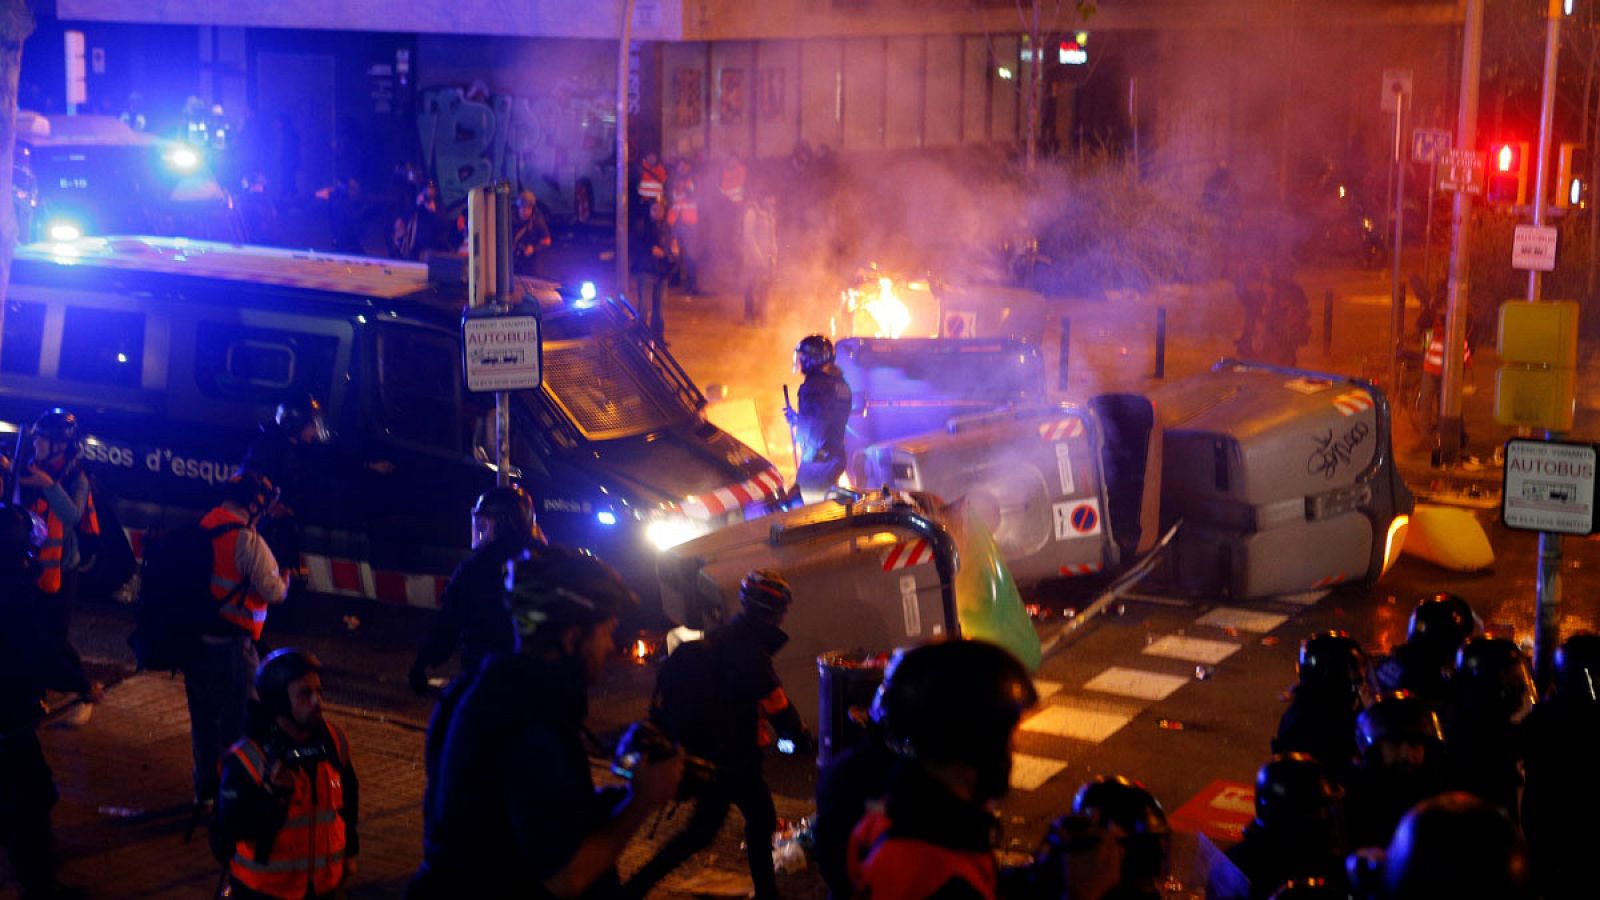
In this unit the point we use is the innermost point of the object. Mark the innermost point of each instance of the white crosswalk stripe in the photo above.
(1046, 688)
(1091, 726)
(1242, 619)
(1136, 683)
(1029, 773)
(1188, 649)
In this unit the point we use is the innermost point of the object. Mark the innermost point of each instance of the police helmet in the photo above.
(1441, 621)
(765, 591)
(1397, 716)
(1577, 668)
(1127, 804)
(956, 701)
(250, 490)
(562, 587)
(1493, 676)
(1295, 795)
(1333, 662)
(21, 535)
(1456, 845)
(812, 353)
(300, 410)
(280, 669)
(59, 427)
(510, 508)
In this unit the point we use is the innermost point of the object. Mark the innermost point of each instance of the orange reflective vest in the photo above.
(733, 178)
(883, 866)
(52, 554)
(247, 609)
(307, 855)
(684, 211)
(652, 182)
(1433, 357)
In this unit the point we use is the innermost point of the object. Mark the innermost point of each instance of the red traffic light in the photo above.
(1505, 158)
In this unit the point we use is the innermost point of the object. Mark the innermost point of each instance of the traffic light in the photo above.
(1572, 182)
(1508, 173)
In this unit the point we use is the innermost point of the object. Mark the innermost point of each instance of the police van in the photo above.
(172, 352)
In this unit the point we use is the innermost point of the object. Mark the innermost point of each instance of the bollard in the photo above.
(1161, 342)
(1327, 323)
(1065, 355)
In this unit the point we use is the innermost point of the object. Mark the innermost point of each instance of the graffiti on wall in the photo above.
(686, 93)
(546, 143)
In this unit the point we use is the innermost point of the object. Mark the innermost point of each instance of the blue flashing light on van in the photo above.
(173, 351)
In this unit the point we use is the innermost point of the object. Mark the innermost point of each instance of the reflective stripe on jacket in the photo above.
(306, 856)
(652, 182)
(883, 866)
(56, 552)
(247, 611)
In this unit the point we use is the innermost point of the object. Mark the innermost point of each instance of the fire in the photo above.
(879, 308)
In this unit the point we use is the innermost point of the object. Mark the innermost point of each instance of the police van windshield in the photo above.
(611, 384)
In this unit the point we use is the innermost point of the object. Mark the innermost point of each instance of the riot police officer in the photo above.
(1115, 809)
(1561, 735)
(1423, 664)
(1491, 693)
(819, 423)
(1321, 719)
(279, 454)
(1455, 845)
(472, 610)
(29, 664)
(1298, 831)
(1400, 745)
(950, 712)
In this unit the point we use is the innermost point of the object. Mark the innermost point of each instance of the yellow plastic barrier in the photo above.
(1449, 537)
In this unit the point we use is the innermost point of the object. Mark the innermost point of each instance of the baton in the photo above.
(794, 444)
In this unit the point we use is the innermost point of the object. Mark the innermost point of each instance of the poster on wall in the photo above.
(686, 94)
(731, 108)
(771, 94)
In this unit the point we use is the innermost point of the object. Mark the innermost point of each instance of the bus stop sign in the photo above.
(500, 352)
(1549, 486)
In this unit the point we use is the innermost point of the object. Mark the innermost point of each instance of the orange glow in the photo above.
(1504, 158)
(1394, 541)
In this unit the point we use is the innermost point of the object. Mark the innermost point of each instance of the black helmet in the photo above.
(21, 536)
(250, 490)
(280, 669)
(300, 410)
(1578, 668)
(812, 353)
(765, 591)
(1295, 796)
(560, 587)
(1493, 676)
(956, 701)
(1441, 622)
(1397, 716)
(1129, 806)
(58, 425)
(1456, 845)
(509, 507)
(1333, 662)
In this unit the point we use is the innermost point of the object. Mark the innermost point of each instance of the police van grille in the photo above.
(604, 396)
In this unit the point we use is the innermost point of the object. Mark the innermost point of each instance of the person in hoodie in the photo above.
(739, 704)
(511, 807)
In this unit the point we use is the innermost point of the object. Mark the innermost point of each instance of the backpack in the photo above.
(688, 703)
(175, 602)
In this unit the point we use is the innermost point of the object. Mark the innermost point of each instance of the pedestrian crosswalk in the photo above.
(1078, 713)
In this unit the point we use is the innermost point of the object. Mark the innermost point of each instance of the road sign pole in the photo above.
(1427, 231)
(1397, 293)
(1547, 616)
(1449, 429)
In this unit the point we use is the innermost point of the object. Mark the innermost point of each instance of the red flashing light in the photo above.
(1505, 158)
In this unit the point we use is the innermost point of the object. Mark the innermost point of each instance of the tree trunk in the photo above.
(16, 23)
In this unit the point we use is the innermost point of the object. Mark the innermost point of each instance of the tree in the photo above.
(16, 23)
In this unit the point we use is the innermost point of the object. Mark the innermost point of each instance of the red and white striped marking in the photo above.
(906, 554)
(352, 578)
(1061, 428)
(1080, 568)
(766, 486)
(1330, 581)
(1352, 403)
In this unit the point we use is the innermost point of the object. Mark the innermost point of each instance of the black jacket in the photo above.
(512, 798)
(823, 414)
(472, 611)
(30, 662)
(1323, 728)
(745, 647)
(278, 458)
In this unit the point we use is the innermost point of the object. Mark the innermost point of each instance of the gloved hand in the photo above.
(418, 679)
(791, 417)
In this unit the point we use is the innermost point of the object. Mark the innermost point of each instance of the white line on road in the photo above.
(1136, 683)
(1197, 650)
(1046, 688)
(1078, 724)
(1242, 619)
(1029, 773)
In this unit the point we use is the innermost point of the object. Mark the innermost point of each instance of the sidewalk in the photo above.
(124, 782)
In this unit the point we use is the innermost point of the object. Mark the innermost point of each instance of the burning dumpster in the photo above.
(889, 570)
(1285, 480)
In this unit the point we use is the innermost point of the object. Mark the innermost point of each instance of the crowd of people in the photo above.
(1428, 772)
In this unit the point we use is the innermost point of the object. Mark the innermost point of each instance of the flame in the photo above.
(888, 311)
(1395, 540)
